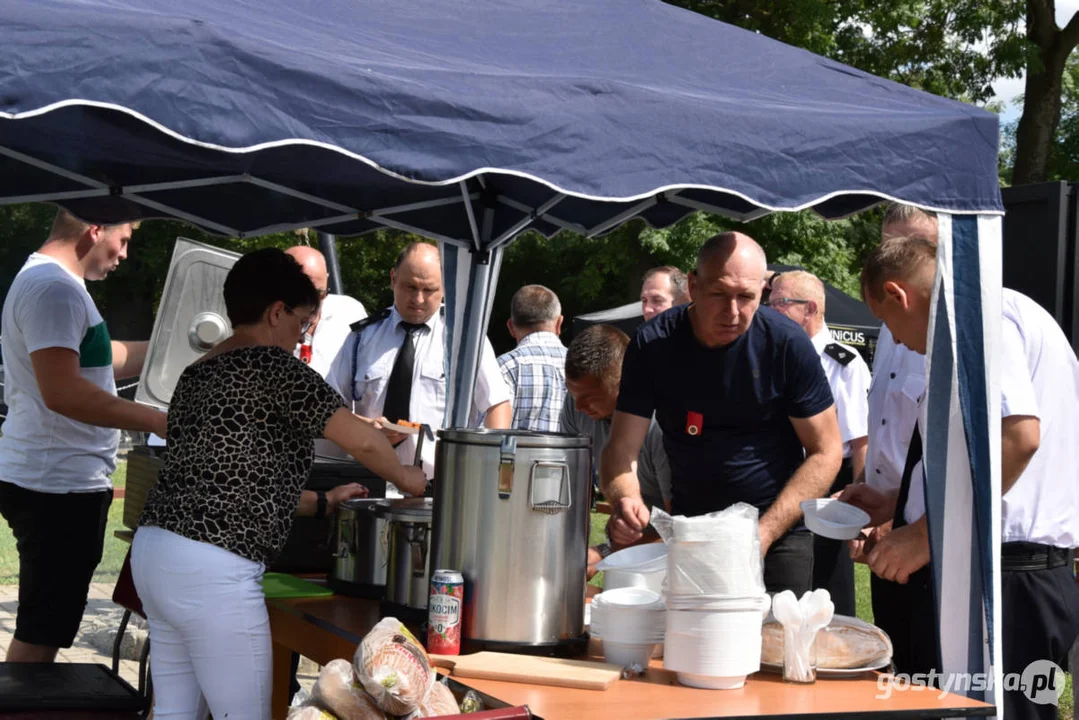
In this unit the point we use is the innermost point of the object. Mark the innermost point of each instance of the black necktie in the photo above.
(399, 388)
(914, 454)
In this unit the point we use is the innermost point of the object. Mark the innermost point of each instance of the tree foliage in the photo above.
(954, 48)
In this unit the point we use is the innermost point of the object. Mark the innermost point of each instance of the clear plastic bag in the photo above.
(394, 668)
(338, 691)
(715, 555)
(471, 703)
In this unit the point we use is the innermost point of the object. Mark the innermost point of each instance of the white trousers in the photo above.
(210, 646)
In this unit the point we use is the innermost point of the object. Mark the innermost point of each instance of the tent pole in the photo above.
(327, 243)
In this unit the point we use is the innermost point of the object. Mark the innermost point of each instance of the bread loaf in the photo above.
(845, 644)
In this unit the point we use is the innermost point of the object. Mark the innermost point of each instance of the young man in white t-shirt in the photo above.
(59, 442)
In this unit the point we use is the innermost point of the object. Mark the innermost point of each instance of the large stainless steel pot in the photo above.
(512, 514)
(408, 572)
(361, 549)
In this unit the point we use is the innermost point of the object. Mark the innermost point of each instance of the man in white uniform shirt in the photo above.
(392, 366)
(329, 329)
(1040, 518)
(800, 296)
(905, 611)
(336, 313)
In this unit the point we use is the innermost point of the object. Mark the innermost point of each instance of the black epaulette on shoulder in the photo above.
(840, 354)
(360, 325)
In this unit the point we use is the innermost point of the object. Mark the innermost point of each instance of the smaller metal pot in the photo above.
(361, 549)
(407, 576)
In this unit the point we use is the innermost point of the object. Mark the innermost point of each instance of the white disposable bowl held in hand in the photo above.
(649, 557)
(830, 518)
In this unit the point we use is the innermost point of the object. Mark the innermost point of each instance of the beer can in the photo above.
(444, 612)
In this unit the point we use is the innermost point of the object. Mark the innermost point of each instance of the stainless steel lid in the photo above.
(524, 438)
(362, 503)
(408, 509)
(191, 318)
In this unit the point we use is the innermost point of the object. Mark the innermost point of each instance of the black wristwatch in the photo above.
(320, 508)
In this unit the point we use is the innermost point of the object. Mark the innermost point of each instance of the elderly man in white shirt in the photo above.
(1040, 519)
(800, 296)
(392, 366)
(331, 325)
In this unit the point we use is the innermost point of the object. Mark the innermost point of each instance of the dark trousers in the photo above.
(60, 538)
(907, 613)
(833, 568)
(1040, 609)
(789, 564)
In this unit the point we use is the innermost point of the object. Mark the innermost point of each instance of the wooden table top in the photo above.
(343, 621)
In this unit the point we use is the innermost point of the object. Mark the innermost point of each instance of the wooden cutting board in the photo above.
(581, 674)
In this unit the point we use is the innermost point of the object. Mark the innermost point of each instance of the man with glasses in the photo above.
(800, 296)
(745, 409)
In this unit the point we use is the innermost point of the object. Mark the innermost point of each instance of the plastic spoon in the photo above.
(789, 614)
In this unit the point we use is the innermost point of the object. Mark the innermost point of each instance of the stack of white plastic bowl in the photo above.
(638, 566)
(716, 602)
(630, 621)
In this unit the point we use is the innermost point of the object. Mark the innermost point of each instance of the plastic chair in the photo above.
(125, 595)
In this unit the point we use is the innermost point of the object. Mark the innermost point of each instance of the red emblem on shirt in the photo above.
(694, 423)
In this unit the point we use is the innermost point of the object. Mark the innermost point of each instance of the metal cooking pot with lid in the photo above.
(512, 514)
(409, 529)
(361, 549)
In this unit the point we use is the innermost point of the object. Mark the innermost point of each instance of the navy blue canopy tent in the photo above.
(469, 121)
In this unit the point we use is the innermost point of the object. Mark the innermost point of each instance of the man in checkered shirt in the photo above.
(535, 370)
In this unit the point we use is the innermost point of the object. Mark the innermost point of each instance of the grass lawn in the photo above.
(111, 560)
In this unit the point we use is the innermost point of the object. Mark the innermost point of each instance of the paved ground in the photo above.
(98, 630)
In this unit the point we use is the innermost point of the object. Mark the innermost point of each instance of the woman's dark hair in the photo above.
(261, 278)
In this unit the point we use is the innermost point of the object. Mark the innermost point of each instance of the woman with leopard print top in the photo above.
(241, 429)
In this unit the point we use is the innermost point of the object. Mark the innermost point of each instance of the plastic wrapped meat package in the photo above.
(716, 555)
(338, 691)
(394, 668)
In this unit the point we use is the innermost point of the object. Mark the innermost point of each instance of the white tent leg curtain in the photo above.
(961, 425)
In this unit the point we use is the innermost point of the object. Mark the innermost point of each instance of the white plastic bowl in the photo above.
(629, 615)
(626, 654)
(617, 579)
(708, 682)
(830, 518)
(650, 557)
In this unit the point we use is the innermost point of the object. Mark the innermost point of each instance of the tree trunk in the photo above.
(1037, 129)
(1038, 126)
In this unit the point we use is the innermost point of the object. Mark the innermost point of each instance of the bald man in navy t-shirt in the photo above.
(745, 408)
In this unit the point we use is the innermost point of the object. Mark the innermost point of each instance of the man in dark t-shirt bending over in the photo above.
(744, 406)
